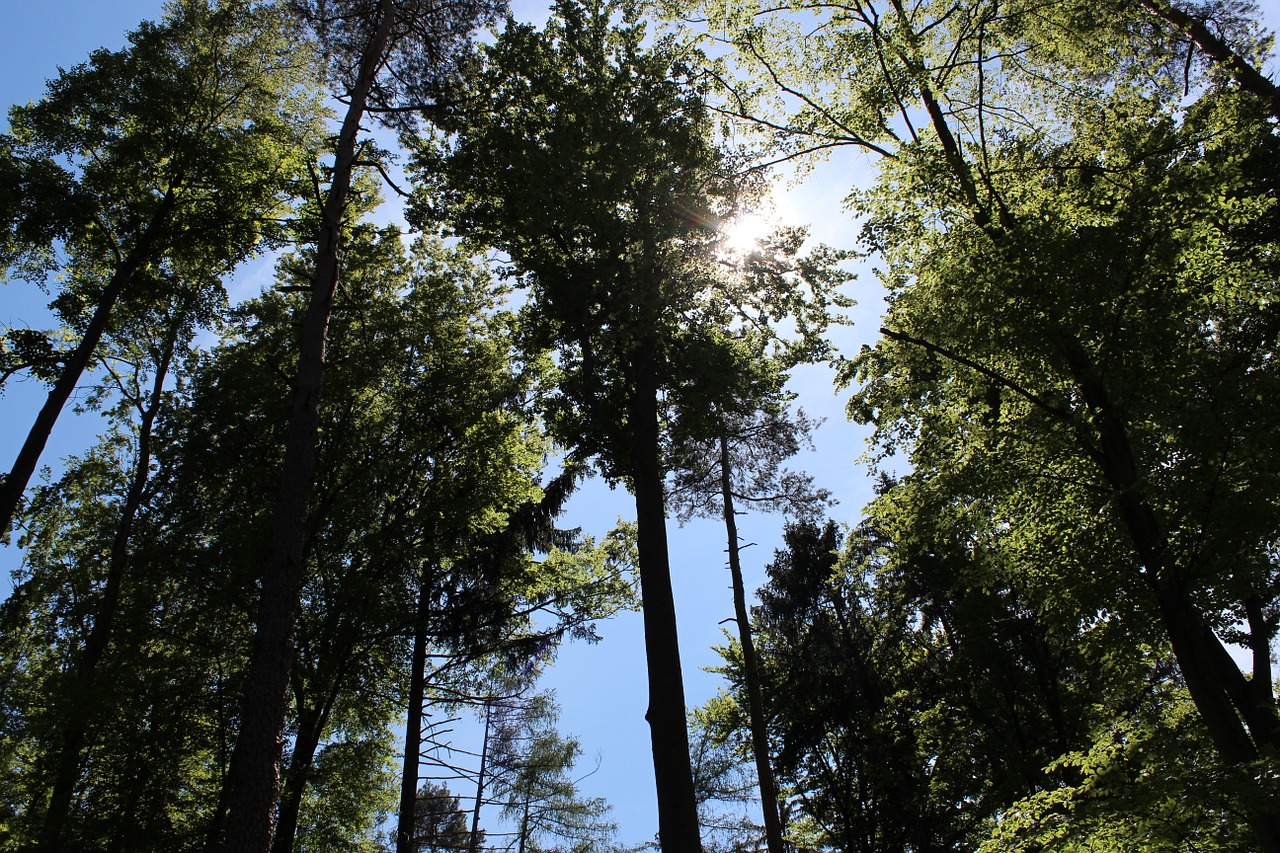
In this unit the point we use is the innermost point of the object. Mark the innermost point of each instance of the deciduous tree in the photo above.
(171, 160)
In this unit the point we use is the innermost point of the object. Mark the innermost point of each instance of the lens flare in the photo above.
(742, 234)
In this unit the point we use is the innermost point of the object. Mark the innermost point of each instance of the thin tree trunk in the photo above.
(750, 665)
(15, 482)
(73, 740)
(413, 729)
(255, 763)
(473, 844)
(311, 724)
(677, 805)
(524, 827)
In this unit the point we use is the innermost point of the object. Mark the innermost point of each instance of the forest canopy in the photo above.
(302, 588)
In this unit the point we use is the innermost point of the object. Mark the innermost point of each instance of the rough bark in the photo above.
(750, 666)
(255, 764)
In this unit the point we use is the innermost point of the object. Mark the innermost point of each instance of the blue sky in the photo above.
(602, 688)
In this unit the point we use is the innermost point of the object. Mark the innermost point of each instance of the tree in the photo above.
(539, 790)
(585, 158)
(723, 758)
(422, 378)
(1042, 132)
(352, 792)
(573, 585)
(149, 355)
(169, 161)
(744, 463)
(439, 823)
(375, 47)
(112, 669)
(911, 696)
(1107, 432)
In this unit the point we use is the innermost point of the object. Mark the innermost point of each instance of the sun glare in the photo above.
(742, 234)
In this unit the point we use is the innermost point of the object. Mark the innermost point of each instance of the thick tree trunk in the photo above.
(255, 764)
(73, 739)
(677, 806)
(413, 731)
(750, 666)
(15, 482)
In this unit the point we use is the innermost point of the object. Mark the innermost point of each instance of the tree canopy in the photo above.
(330, 528)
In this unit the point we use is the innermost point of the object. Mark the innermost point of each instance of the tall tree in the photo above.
(1009, 123)
(585, 158)
(169, 160)
(743, 464)
(909, 705)
(146, 359)
(111, 663)
(423, 378)
(388, 55)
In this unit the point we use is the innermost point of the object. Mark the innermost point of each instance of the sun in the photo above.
(742, 233)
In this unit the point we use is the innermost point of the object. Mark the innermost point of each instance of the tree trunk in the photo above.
(1250, 78)
(524, 827)
(473, 845)
(1238, 726)
(413, 730)
(750, 666)
(311, 723)
(255, 763)
(15, 482)
(73, 740)
(1261, 630)
(677, 805)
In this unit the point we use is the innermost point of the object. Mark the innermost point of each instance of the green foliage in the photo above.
(194, 133)
(1076, 217)
(351, 792)
(440, 825)
(149, 776)
(1144, 784)
(539, 793)
(612, 137)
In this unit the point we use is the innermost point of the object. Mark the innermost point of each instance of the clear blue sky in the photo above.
(602, 688)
